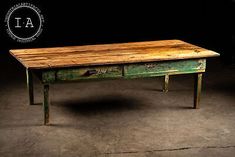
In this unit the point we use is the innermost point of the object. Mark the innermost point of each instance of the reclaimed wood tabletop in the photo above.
(104, 54)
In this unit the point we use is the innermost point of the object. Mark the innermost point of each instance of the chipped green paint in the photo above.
(124, 71)
(164, 68)
(153, 69)
(166, 83)
(197, 89)
(29, 77)
(89, 73)
(48, 76)
(46, 104)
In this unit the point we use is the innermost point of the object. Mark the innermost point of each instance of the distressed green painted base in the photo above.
(29, 77)
(46, 104)
(127, 71)
(197, 89)
(124, 71)
(164, 68)
(166, 83)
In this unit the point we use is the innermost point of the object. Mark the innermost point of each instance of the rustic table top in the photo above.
(134, 52)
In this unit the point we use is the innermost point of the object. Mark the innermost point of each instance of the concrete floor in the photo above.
(119, 118)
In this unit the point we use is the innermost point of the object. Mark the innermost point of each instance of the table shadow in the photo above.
(96, 105)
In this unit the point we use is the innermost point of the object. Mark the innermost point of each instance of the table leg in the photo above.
(46, 103)
(197, 89)
(166, 84)
(29, 77)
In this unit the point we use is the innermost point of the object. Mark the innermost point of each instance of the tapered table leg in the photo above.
(46, 103)
(29, 77)
(166, 84)
(197, 89)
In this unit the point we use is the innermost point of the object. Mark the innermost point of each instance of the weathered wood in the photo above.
(197, 89)
(97, 72)
(127, 70)
(46, 104)
(48, 76)
(165, 67)
(29, 77)
(44, 58)
(166, 83)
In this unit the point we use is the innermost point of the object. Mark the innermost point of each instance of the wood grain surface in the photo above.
(121, 53)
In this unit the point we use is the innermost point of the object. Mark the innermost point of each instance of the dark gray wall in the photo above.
(203, 22)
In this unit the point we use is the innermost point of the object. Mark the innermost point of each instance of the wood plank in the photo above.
(44, 58)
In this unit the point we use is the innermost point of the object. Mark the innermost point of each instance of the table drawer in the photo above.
(89, 73)
(164, 67)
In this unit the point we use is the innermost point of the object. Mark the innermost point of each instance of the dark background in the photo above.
(206, 23)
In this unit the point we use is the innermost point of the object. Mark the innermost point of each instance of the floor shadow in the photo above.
(152, 89)
(38, 103)
(95, 105)
(225, 87)
(182, 107)
(169, 89)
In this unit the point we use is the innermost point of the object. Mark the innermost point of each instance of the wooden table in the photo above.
(124, 60)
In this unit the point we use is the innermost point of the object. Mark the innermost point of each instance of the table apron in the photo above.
(134, 70)
(164, 68)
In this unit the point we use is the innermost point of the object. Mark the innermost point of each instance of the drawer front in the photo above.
(164, 67)
(89, 73)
